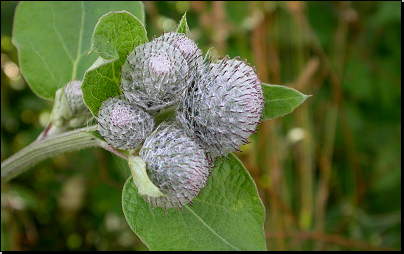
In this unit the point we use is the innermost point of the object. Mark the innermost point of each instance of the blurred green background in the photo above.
(329, 174)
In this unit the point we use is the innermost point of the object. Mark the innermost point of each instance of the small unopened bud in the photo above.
(176, 164)
(69, 110)
(74, 96)
(122, 125)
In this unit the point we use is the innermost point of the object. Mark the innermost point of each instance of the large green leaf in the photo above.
(53, 40)
(280, 100)
(227, 215)
(113, 39)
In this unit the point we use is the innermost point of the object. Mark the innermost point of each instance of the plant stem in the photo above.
(48, 147)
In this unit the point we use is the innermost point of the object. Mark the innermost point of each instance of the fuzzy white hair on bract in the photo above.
(176, 164)
(223, 106)
(74, 96)
(123, 125)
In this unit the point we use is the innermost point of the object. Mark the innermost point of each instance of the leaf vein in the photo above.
(58, 34)
(46, 65)
(211, 229)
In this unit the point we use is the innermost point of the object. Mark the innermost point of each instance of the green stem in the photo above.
(48, 147)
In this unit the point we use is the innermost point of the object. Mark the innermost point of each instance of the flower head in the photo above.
(176, 164)
(223, 106)
(154, 75)
(122, 125)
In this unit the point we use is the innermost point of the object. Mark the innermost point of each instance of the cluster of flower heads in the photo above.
(219, 105)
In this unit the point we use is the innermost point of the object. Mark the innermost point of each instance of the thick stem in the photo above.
(48, 147)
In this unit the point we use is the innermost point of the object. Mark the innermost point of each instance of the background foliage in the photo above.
(329, 174)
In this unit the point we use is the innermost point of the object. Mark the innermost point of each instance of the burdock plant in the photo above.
(172, 114)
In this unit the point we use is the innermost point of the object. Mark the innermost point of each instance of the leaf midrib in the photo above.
(76, 61)
(78, 57)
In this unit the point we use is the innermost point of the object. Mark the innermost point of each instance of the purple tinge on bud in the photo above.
(223, 106)
(176, 164)
(188, 48)
(74, 96)
(154, 75)
(122, 125)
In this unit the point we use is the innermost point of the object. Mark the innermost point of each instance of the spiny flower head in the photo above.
(154, 75)
(223, 106)
(176, 164)
(123, 125)
(188, 48)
